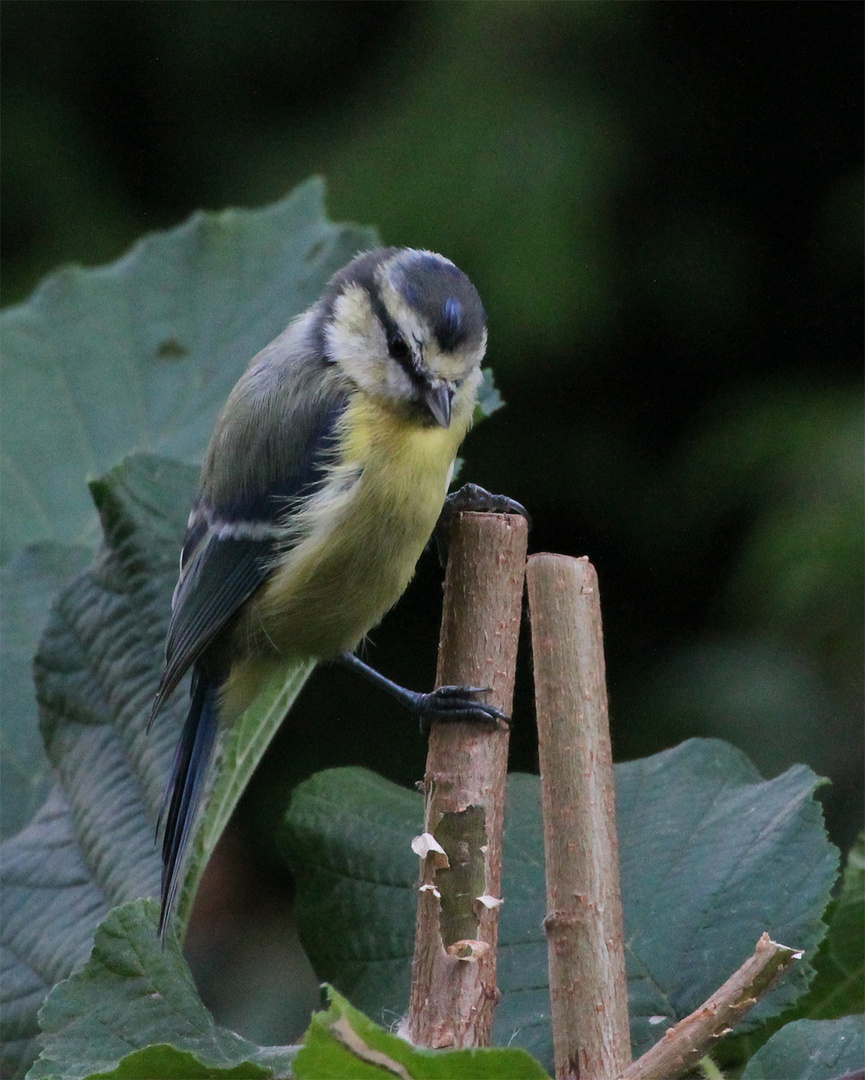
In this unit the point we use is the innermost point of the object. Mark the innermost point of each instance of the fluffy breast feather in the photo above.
(358, 540)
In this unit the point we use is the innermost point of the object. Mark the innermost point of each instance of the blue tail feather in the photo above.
(185, 785)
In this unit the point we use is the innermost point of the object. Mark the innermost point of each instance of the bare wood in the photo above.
(588, 987)
(453, 991)
(691, 1039)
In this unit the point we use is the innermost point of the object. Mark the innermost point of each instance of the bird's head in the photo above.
(408, 328)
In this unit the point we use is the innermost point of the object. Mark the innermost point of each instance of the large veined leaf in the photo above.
(91, 846)
(839, 987)
(812, 1050)
(133, 1011)
(138, 354)
(28, 584)
(711, 856)
(141, 354)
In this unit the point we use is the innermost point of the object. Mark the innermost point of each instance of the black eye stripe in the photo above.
(397, 346)
(391, 330)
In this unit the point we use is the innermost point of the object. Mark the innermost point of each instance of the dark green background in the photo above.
(661, 205)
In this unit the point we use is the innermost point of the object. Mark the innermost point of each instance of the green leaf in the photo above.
(839, 986)
(239, 752)
(29, 583)
(140, 355)
(811, 1050)
(343, 1044)
(711, 856)
(489, 398)
(133, 1011)
(348, 836)
(91, 846)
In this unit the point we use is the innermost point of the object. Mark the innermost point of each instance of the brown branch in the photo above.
(691, 1039)
(453, 990)
(588, 987)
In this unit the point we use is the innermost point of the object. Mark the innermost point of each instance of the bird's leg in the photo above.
(480, 501)
(447, 703)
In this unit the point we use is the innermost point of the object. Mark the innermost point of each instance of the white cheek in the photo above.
(354, 353)
(397, 383)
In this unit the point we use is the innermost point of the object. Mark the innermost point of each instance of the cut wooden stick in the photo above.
(692, 1038)
(588, 987)
(453, 991)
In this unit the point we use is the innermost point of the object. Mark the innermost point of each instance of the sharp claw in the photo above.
(455, 703)
(472, 497)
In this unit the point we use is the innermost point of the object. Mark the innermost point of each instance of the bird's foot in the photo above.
(471, 497)
(449, 704)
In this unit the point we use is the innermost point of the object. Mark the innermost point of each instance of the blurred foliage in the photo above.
(661, 205)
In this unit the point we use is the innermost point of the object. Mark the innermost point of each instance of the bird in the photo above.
(326, 473)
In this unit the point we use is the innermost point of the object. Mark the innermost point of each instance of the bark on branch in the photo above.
(692, 1038)
(453, 990)
(588, 987)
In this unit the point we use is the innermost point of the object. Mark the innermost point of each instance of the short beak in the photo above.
(438, 400)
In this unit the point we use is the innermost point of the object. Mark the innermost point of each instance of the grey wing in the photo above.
(231, 547)
(217, 581)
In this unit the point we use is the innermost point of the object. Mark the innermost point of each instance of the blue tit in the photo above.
(323, 481)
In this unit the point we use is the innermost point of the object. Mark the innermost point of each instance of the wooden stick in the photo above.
(453, 991)
(691, 1039)
(588, 988)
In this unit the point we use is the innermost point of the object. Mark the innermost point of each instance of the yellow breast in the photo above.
(361, 538)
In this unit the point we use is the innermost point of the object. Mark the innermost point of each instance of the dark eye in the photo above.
(398, 348)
